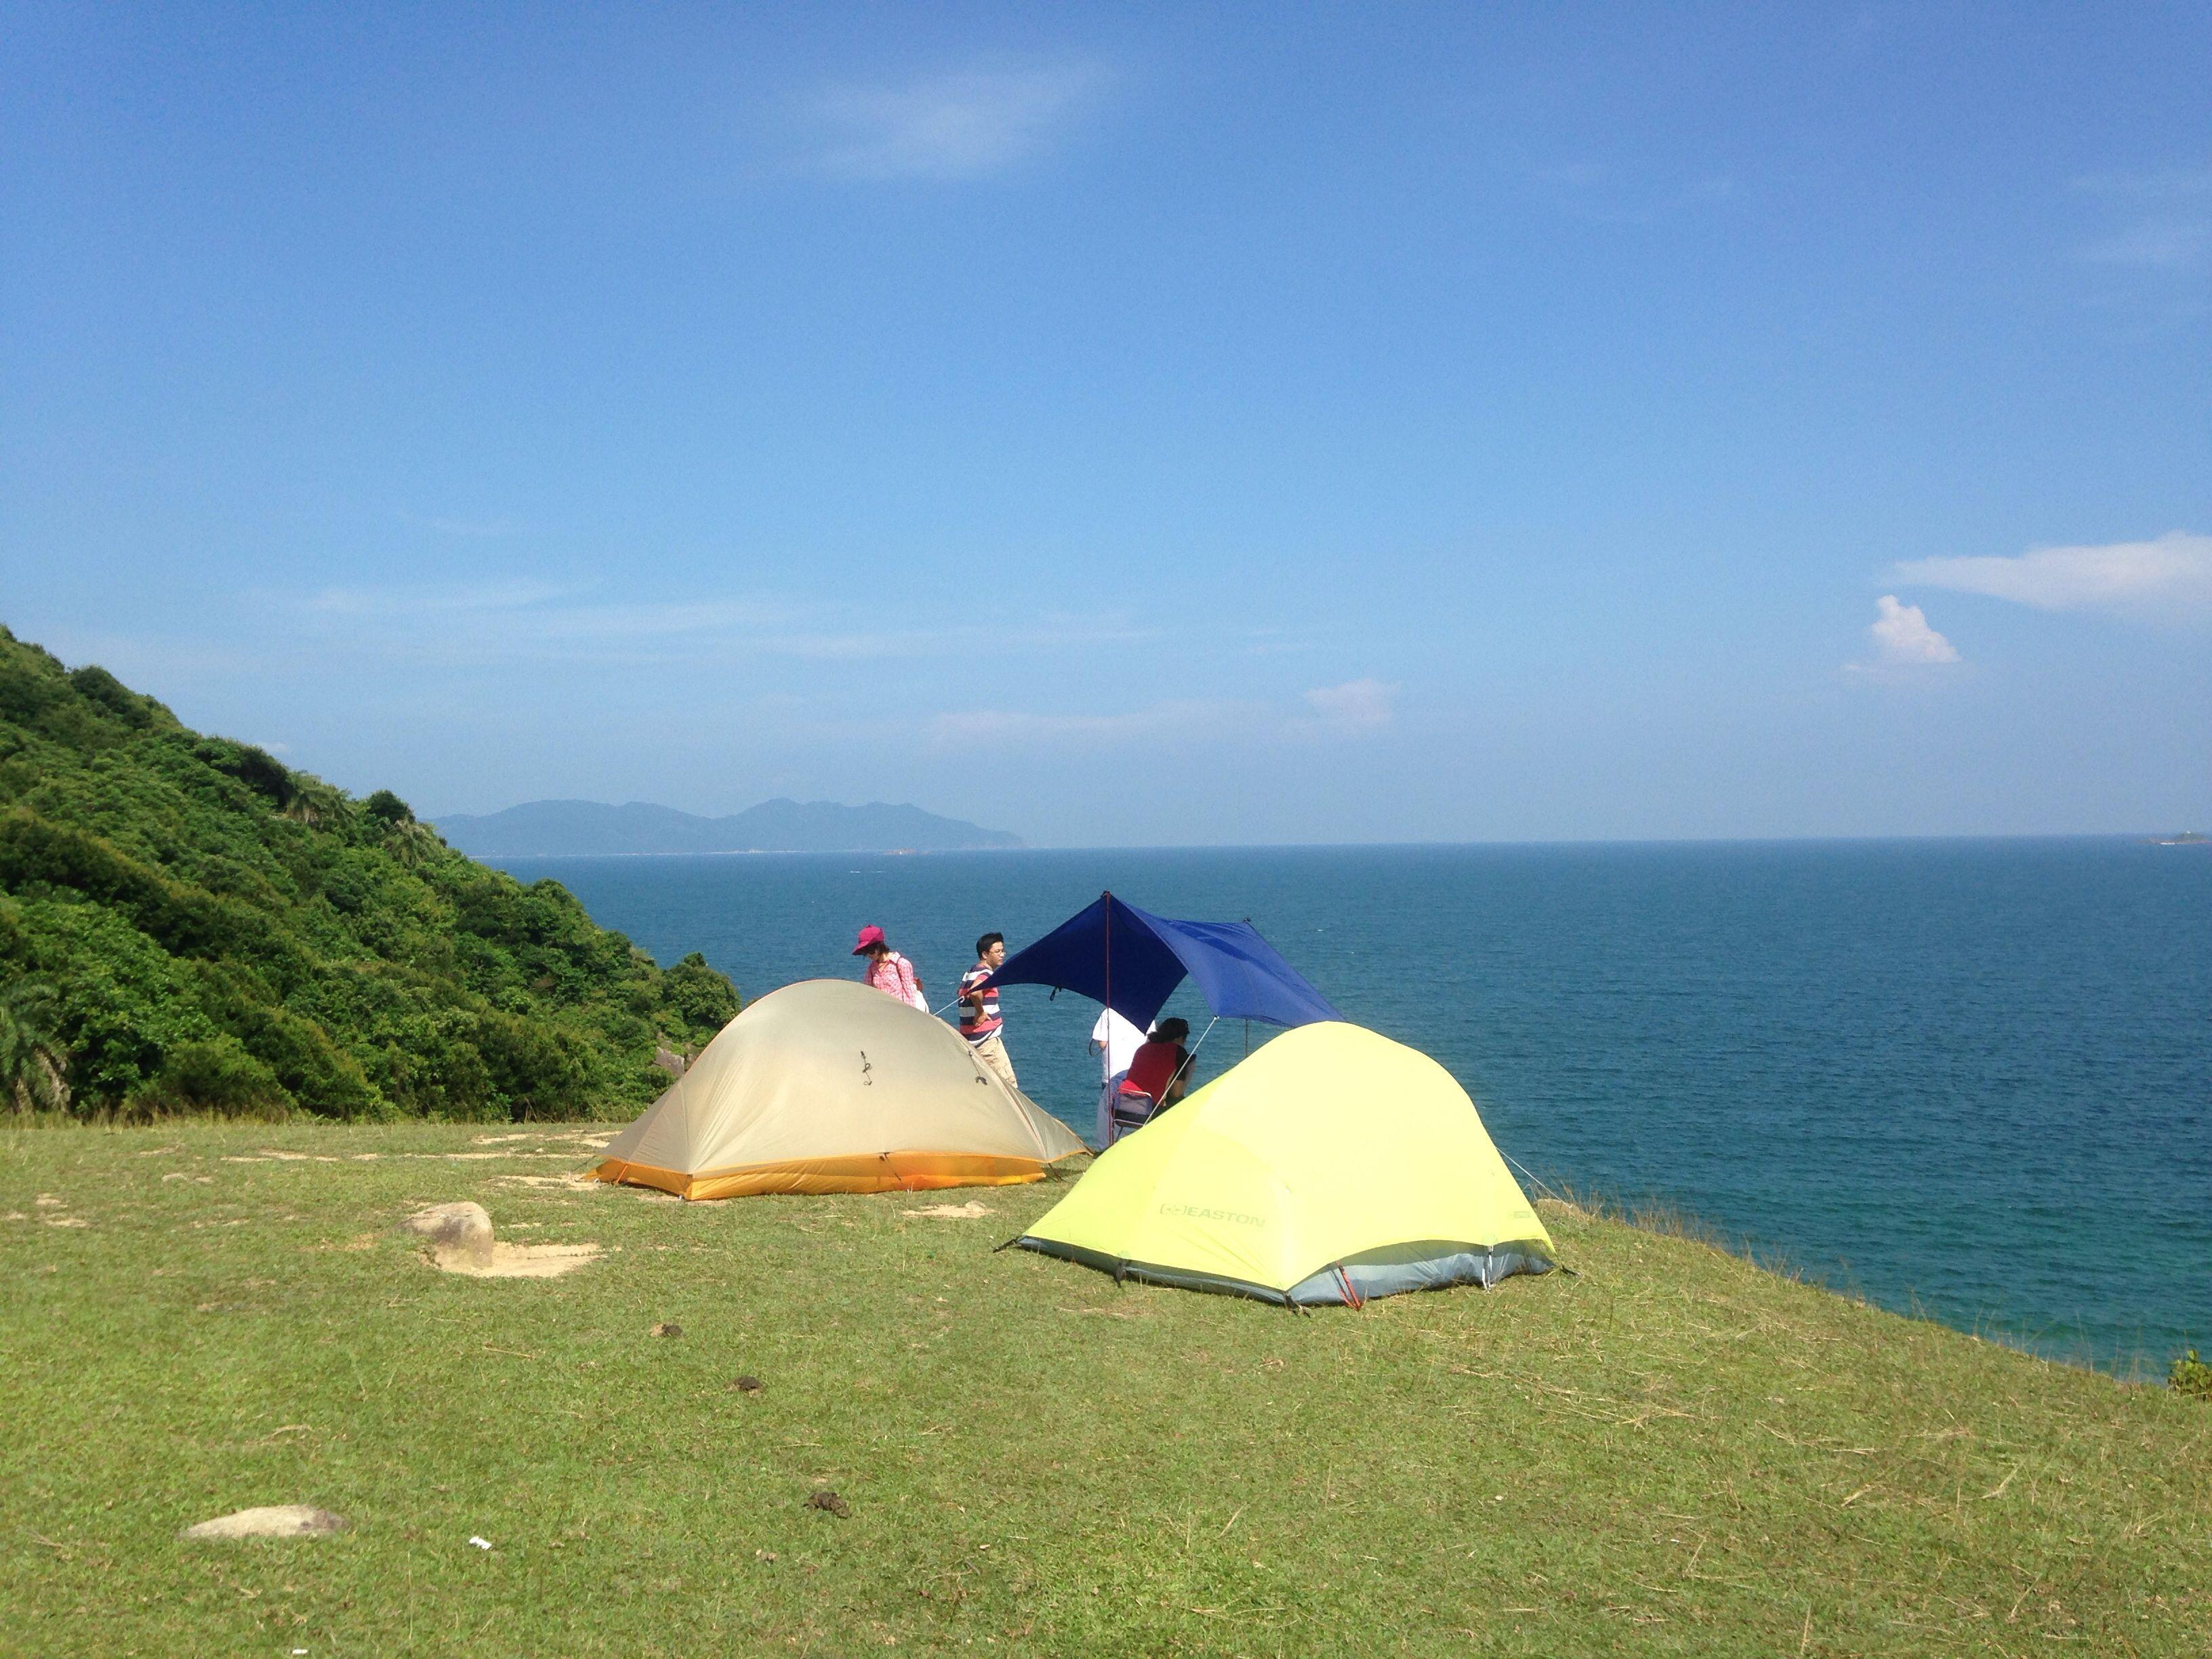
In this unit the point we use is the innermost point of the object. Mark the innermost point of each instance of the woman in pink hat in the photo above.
(888, 971)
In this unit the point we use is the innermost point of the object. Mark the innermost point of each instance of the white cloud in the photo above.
(948, 126)
(2167, 243)
(1903, 638)
(2156, 184)
(524, 619)
(146, 661)
(475, 623)
(473, 528)
(1165, 723)
(1355, 706)
(425, 600)
(2172, 572)
(1616, 196)
(2167, 218)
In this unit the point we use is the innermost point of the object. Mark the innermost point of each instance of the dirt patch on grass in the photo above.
(528, 1261)
(594, 1137)
(375, 1158)
(970, 1211)
(461, 1241)
(569, 1183)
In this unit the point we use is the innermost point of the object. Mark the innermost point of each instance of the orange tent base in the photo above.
(881, 1172)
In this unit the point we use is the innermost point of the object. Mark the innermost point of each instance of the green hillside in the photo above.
(188, 924)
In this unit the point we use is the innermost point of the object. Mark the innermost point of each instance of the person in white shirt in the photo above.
(1113, 1039)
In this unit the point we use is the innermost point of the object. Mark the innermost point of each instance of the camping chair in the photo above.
(1130, 1111)
(1134, 1109)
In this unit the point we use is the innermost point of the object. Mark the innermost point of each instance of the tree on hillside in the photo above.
(32, 1063)
(412, 842)
(314, 802)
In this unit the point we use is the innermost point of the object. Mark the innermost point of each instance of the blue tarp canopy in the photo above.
(1130, 960)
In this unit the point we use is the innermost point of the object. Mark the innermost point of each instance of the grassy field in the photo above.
(1673, 1453)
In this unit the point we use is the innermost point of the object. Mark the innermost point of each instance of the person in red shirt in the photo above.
(1160, 1076)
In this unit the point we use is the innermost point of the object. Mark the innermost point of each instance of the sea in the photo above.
(1969, 1080)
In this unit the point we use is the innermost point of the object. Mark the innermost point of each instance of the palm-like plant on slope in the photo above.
(32, 1061)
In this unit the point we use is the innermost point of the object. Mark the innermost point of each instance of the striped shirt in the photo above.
(975, 1024)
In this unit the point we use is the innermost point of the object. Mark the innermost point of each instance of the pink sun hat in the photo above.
(870, 937)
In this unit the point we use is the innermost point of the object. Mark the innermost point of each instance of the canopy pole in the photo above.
(1190, 1061)
(1247, 1024)
(1106, 899)
(1106, 1048)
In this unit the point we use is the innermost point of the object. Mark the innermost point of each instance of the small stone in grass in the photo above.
(668, 1327)
(746, 1384)
(830, 1501)
(273, 1521)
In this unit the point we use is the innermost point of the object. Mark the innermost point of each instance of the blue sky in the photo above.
(1145, 425)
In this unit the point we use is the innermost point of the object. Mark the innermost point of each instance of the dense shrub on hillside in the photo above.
(2191, 1376)
(194, 927)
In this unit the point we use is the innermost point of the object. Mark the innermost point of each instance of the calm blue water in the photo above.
(1971, 1077)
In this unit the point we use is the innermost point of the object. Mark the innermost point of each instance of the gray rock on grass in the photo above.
(459, 1234)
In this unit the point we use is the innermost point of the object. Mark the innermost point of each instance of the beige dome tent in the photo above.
(827, 1086)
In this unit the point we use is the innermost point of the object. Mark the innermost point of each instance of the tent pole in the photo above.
(1524, 1170)
(1106, 1050)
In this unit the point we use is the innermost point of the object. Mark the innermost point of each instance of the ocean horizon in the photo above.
(2148, 837)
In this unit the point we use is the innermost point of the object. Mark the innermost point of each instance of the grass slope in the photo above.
(210, 930)
(1674, 1453)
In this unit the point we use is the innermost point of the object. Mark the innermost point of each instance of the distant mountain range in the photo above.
(572, 827)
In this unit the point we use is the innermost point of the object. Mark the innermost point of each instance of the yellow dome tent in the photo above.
(1333, 1165)
(827, 1086)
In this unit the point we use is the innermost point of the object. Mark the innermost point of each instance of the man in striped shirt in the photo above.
(980, 1020)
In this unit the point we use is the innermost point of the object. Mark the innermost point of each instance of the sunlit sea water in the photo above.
(1968, 1079)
